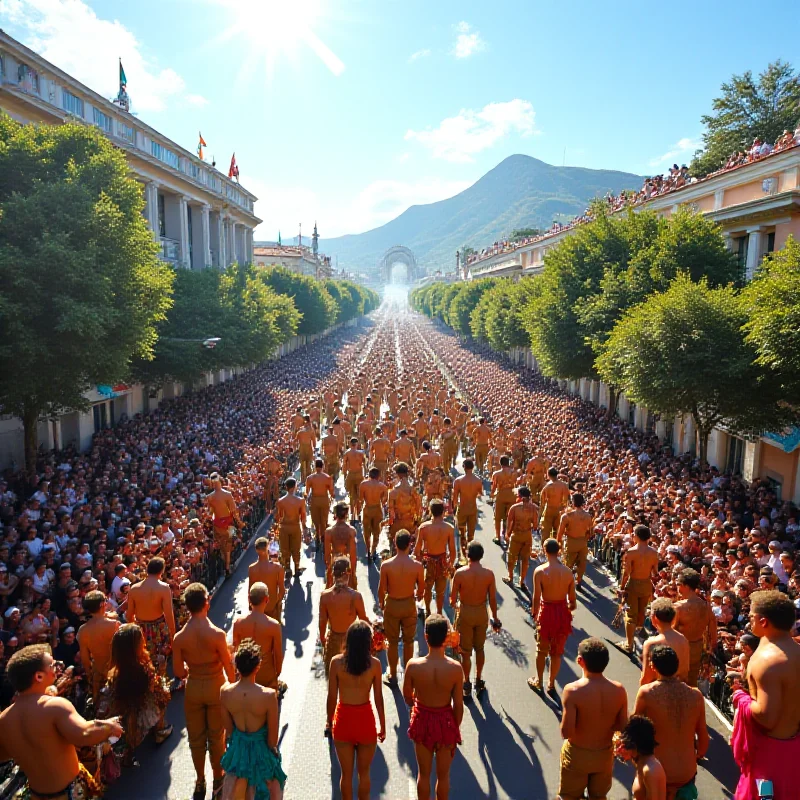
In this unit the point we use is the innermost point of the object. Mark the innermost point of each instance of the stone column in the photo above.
(183, 206)
(234, 248)
(753, 252)
(751, 463)
(151, 198)
(205, 219)
(223, 241)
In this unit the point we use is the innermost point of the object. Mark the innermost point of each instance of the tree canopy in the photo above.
(463, 303)
(311, 298)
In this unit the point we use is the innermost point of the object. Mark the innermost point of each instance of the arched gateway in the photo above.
(399, 255)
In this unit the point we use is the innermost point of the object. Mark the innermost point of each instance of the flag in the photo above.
(233, 172)
(200, 145)
(123, 81)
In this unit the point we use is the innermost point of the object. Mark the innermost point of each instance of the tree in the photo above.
(683, 351)
(748, 109)
(466, 252)
(773, 320)
(347, 305)
(82, 289)
(463, 303)
(504, 326)
(524, 233)
(312, 300)
(447, 297)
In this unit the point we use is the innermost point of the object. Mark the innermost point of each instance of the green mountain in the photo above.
(520, 192)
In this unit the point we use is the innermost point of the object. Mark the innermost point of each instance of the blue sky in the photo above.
(348, 111)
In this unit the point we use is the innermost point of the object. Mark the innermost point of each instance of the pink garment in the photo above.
(762, 756)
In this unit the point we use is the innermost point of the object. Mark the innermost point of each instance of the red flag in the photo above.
(233, 172)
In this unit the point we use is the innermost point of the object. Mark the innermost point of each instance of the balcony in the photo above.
(171, 251)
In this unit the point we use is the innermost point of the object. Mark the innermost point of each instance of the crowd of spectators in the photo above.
(740, 537)
(676, 178)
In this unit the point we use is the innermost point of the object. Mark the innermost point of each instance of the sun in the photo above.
(275, 28)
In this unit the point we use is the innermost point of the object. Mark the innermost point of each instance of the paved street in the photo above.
(511, 736)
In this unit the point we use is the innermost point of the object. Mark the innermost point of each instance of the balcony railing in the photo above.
(170, 250)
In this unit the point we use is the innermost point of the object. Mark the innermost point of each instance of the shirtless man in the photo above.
(339, 607)
(523, 518)
(421, 429)
(449, 444)
(574, 532)
(226, 514)
(695, 620)
(306, 438)
(474, 586)
(353, 466)
(481, 438)
(405, 504)
(330, 445)
(272, 467)
(200, 655)
(433, 686)
(553, 604)
(290, 514)
(340, 540)
(265, 632)
(767, 719)
(637, 743)
(380, 449)
(320, 493)
(466, 491)
(429, 461)
(678, 713)
(403, 449)
(554, 497)
(502, 492)
(94, 638)
(266, 571)
(250, 720)
(639, 567)
(373, 495)
(662, 615)
(436, 548)
(594, 709)
(41, 732)
(535, 475)
(150, 607)
(402, 582)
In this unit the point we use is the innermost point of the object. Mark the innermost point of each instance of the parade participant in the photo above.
(448, 438)
(766, 726)
(535, 475)
(402, 582)
(553, 604)
(265, 632)
(41, 732)
(373, 494)
(516, 444)
(502, 493)
(678, 713)
(574, 532)
(434, 485)
(554, 497)
(272, 468)
(481, 439)
(474, 586)
(226, 514)
(380, 448)
(403, 449)
(290, 514)
(339, 607)
(266, 571)
(354, 675)
(429, 461)
(405, 504)
(637, 743)
(200, 655)
(320, 493)
(363, 427)
(421, 429)
(353, 466)
(340, 540)
(639, 567)
(695, 620)
(94, 638)
(662, 615)
(436, 548)
(466, 491)
(150, 607)
(306, 439)
(523, 519)
(330, 445)
(433, 686)
(252, 761)
(594, 709)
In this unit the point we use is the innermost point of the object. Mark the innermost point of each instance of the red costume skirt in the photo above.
(434, 728)
(554, 626)
(354, 724)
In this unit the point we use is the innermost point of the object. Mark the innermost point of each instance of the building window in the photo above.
(72, 104)
(193, 170)
(733, 463)
(162, 222)
(103, 121)
(632, 413)
(162, 154)
(100, 413)
(771, 242)
(126, 132)
(191, 237)
(28, 78)
(741, 252)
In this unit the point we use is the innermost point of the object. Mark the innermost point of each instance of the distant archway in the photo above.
(399, 255)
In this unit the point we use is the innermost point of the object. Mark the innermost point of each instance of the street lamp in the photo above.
(209, 342)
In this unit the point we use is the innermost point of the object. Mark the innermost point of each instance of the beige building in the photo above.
(301, 260)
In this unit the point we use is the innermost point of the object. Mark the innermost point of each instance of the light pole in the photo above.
(209, 342)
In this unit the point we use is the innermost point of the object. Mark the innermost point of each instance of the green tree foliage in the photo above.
(81, 287)
(773, 320)
(347, 305)
(503, 320)
(746, 109)
(464, 301)
(683, 351)
(524, 233)
(447, 297)
(311, 298)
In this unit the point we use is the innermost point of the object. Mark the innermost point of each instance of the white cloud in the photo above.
(69, 34)
(459, 138)
(682, 148)
(468, 41)
(419, 54)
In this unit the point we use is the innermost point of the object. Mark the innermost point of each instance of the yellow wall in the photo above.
(779, 465)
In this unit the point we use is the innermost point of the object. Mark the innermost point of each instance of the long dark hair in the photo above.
(357, 648)
(130, 675)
